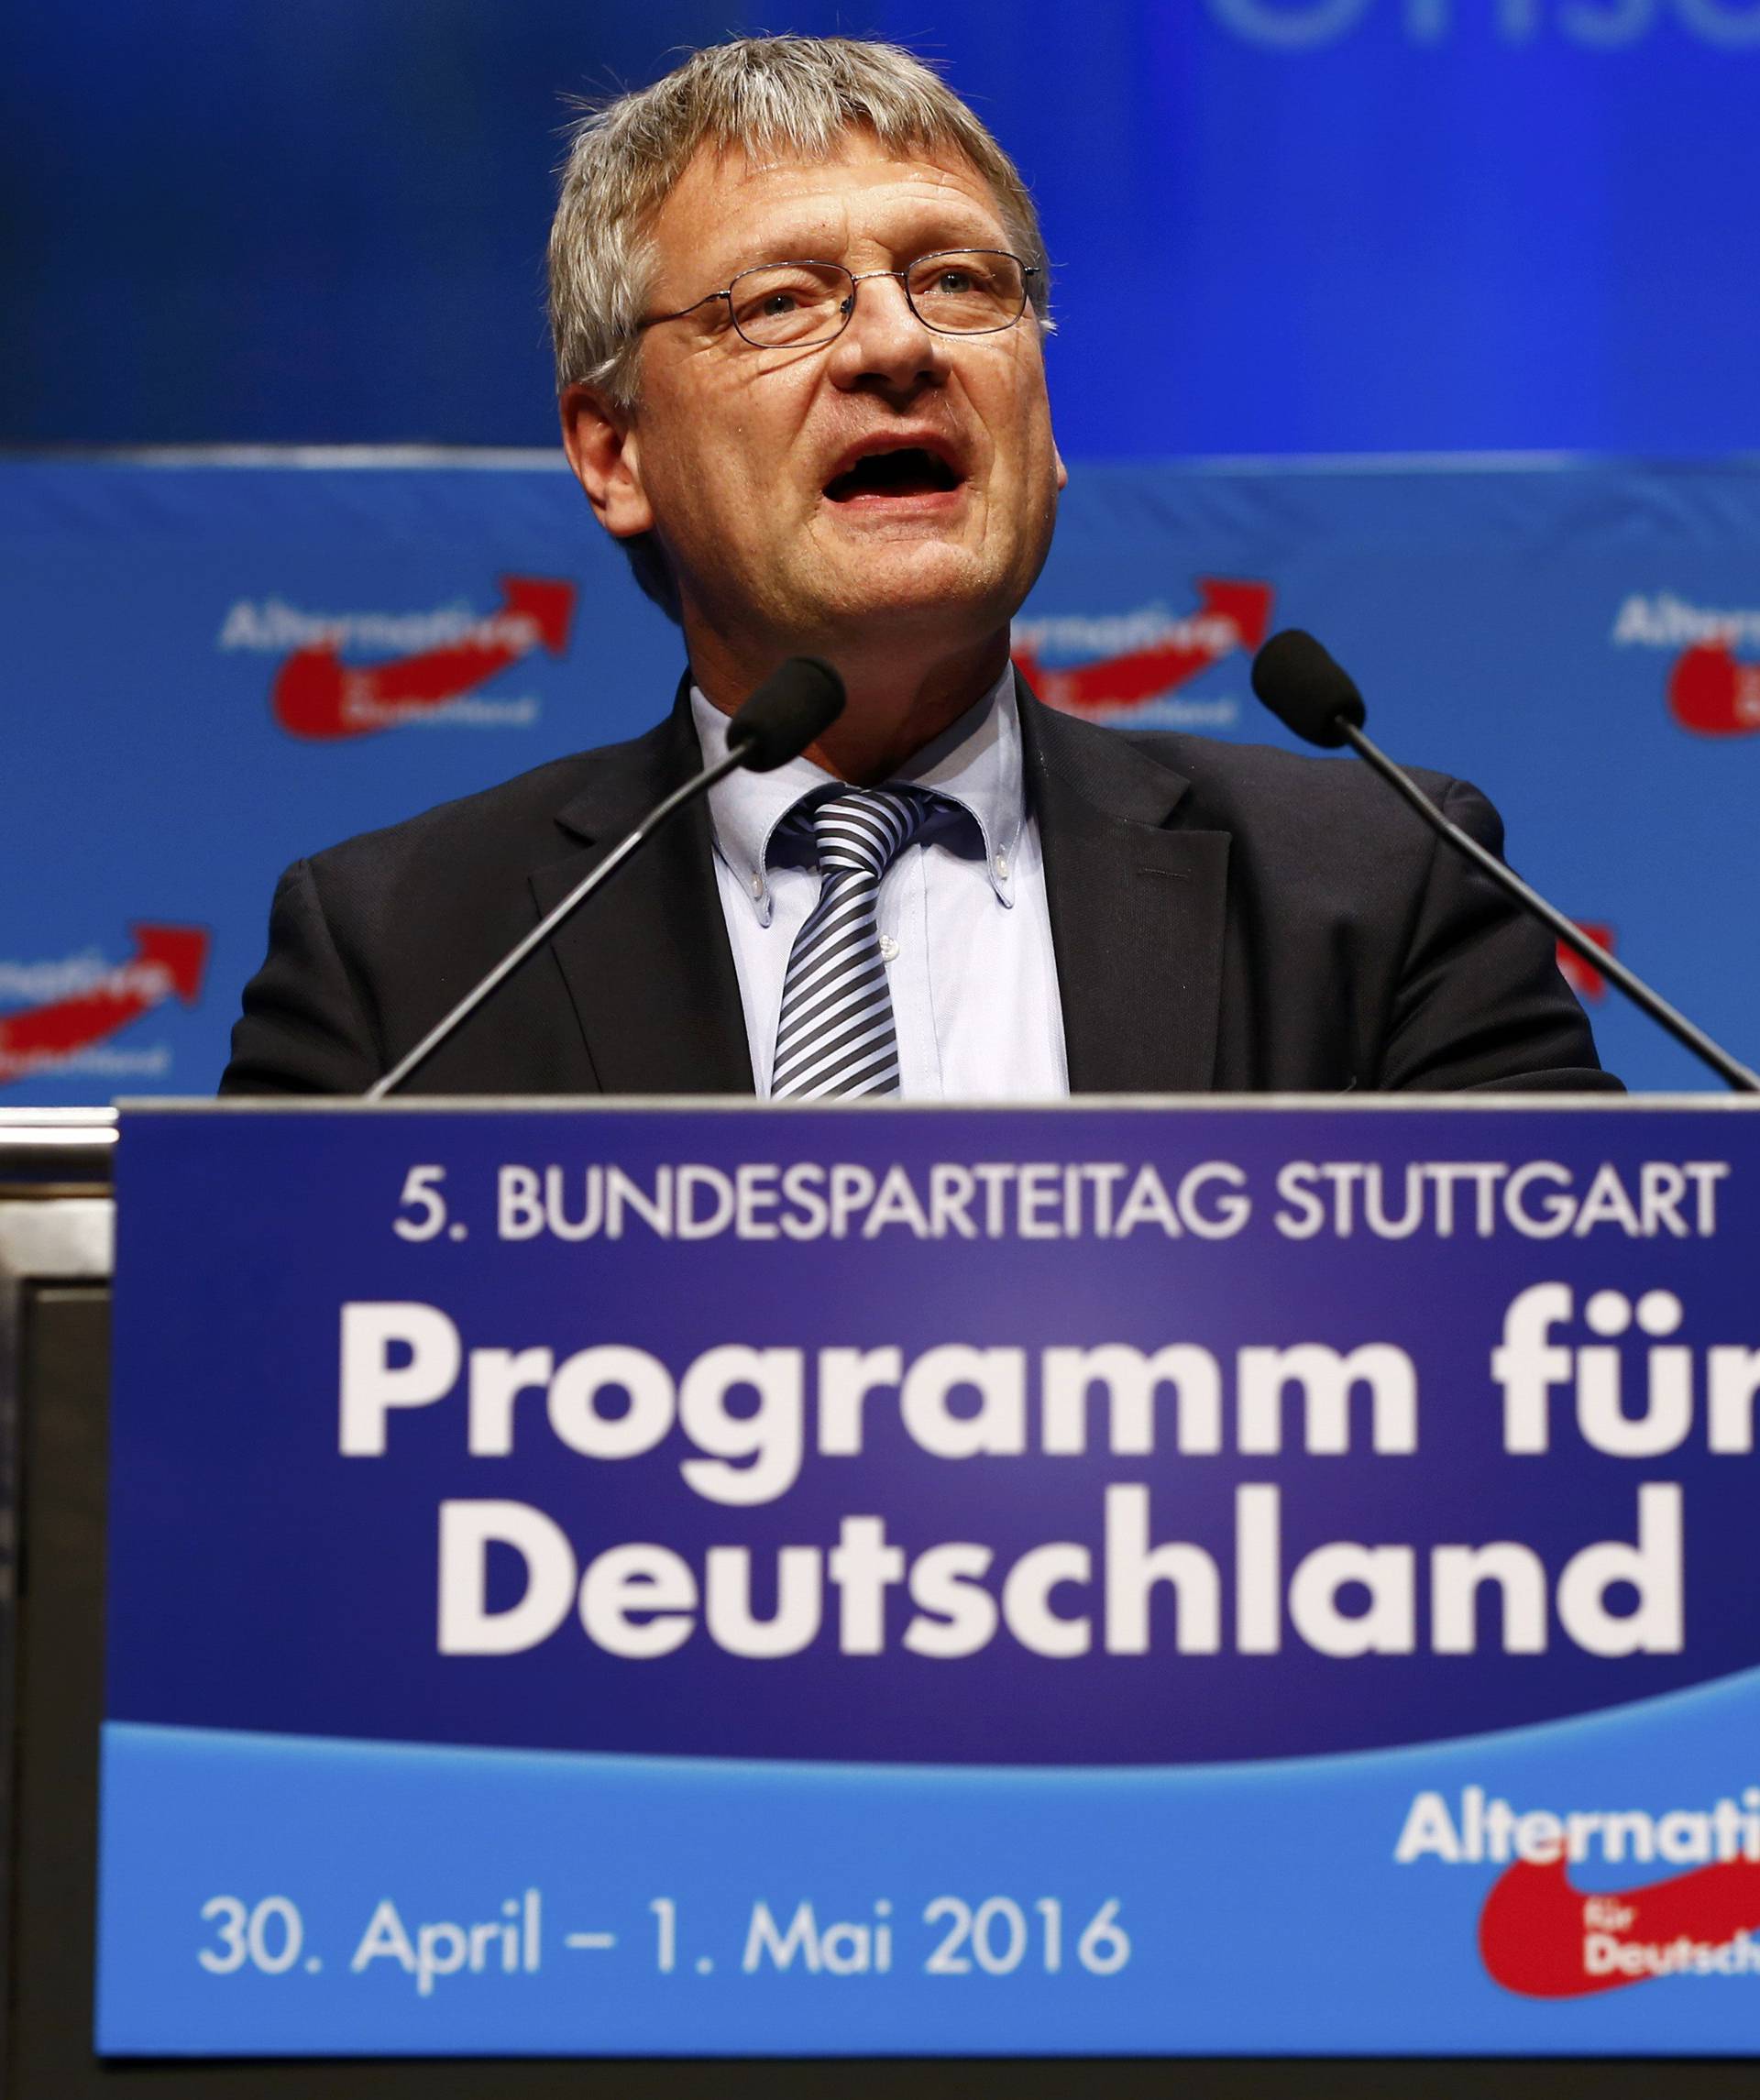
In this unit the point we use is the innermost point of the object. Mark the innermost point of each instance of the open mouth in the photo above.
(910, 471)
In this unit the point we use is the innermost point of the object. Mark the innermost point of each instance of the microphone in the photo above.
(793, 706)
(1307, 690)
(1317, 699)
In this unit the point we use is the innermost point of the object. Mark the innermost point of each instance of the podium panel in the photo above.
(1125, 1580)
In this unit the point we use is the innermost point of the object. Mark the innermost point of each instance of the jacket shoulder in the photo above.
(1266, 773)
(372, 939)
(516, 818)
(1287, 802)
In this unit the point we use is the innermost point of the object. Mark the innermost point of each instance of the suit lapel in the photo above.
(1137, 906)
(647, 962)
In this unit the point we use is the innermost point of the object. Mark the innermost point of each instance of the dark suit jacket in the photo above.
(1226, 918)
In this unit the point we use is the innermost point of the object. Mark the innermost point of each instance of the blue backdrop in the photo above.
(217, 669)
(1278, 224)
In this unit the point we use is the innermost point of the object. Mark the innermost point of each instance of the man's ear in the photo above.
(603, 449)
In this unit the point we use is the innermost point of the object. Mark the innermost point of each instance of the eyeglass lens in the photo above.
(791, 304)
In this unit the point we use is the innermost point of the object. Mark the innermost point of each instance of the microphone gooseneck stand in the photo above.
(1315, 698)
(795, 705)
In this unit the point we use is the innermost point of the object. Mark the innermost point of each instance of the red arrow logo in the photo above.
(1583, 978)
(1231, 615)
(1711, 694)
(319, 697)
(169, 961)
(1545, 1939)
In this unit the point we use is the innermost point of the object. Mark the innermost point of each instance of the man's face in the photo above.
(747, 462)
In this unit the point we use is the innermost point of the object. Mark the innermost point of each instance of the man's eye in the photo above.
(771, 307)
(949, 281)
(768, 305)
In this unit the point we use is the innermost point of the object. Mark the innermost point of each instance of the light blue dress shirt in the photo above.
(963, 923)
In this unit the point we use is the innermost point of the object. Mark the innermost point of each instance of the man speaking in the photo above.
(799, 300)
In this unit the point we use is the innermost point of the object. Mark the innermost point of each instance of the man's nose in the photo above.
(886, 344)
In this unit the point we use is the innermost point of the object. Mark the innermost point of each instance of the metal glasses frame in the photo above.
(1028, 271)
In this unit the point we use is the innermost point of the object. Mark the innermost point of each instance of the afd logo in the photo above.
(63, 1012)
(1595, 25)
(1542, 1937)
(1130, 665)
(1710, 689)
(426, 667)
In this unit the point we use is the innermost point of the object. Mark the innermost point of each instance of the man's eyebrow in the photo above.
(810, 243)
(805, 244)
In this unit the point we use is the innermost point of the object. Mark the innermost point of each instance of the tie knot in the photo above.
(862, 830)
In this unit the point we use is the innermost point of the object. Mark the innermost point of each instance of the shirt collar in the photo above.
(975, 764)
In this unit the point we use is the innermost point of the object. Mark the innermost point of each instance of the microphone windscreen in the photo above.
(792, 707)
(1305, 689)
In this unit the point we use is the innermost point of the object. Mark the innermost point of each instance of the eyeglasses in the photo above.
(795, 305)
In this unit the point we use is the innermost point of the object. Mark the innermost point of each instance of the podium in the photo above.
(644, 1598)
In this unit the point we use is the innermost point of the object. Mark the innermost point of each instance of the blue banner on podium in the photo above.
(1120, 1579)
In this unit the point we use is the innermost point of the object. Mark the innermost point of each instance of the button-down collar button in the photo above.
(1002, 867)
(757, 885)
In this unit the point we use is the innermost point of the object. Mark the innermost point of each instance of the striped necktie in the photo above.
(835, 1039)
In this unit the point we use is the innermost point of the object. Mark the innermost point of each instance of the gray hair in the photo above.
(796, 95)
